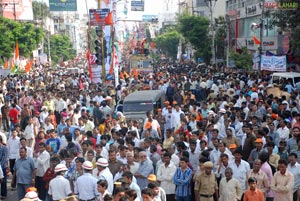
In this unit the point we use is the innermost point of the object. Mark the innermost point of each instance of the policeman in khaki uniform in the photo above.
(206, 184)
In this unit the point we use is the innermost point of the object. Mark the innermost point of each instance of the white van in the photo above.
(279, 78)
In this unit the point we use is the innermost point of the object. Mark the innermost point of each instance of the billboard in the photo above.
(17, 9)
(137, 5)
(63, 5)
(273, 63)
(97, 16)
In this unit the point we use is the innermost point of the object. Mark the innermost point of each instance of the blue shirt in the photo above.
(182, 180)
(145, 169)
(54, 143)
(3, 155)
(275, 137)
(60, 129)
(24, 170)
(72, 131)
(86, 187)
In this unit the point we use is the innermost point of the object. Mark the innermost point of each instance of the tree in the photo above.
(168, 43)
(40, 10)
(195, 30)
(289, 21)
(220, 37)
(27, 35)
(61, 48)
(242, 59)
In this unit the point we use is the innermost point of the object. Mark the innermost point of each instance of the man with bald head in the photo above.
(263, 182)
(144, 170)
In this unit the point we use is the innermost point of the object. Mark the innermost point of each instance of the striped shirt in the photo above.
(182, 180)
(3, 155)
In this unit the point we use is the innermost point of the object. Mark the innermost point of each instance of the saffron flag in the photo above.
(135, 73)
(88, 57)
(256, 41)
(109, 19)
(28, 66)
(17, 57)
(97, 16)
(5, 65)
(112, 65)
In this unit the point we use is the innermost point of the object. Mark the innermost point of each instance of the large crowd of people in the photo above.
(215, 138)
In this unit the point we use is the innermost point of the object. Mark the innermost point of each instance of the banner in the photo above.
(137, 5)
(17, 9)
(63, 5)
(97, 16)
(96, 73)
(273, 63)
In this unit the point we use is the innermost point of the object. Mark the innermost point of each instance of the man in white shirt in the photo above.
(13, 146)
(134, 166)
(29, 133)
(174, 157)
(59, 187)
(128, 177)
(240, 168)
(176, 116)
(42, 163)
(294, 168)
(283, 131)
(29, 151)
(165, 175)
(102, 172)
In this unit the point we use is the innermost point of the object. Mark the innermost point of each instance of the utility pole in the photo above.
(102, 42)
(49, 51)
(261, 37)
(227, 19)
(192, 7)
(15, 14)
(212, 26)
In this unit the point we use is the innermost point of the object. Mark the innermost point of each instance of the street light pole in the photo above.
(261, 35)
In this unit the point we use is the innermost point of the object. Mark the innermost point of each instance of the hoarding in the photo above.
(138, 5)
(97, 16)
(63, 5)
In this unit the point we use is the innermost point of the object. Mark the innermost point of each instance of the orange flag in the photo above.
(97, 16)
(5, 66)
(108, 19)
(121, 75)
(256, 41)
(152, 45)
(17, 57)
(135, 72)
(88, 57)
(28, 66)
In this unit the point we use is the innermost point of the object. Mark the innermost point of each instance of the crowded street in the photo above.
(143, 100)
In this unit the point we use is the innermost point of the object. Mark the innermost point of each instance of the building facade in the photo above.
(245, 19)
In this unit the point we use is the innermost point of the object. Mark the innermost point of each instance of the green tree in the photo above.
(242, 59)
(40, 10)
(168, 43)
(195, 30)
(220, 37)
(61, 48)
(289, 21)
(27, 35)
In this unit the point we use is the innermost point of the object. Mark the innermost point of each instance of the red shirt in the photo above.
(13, 115)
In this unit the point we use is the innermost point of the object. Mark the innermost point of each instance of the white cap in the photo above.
(60, 167)
(87, 165)
(222, 111)
(102, 162)
(32, 196)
